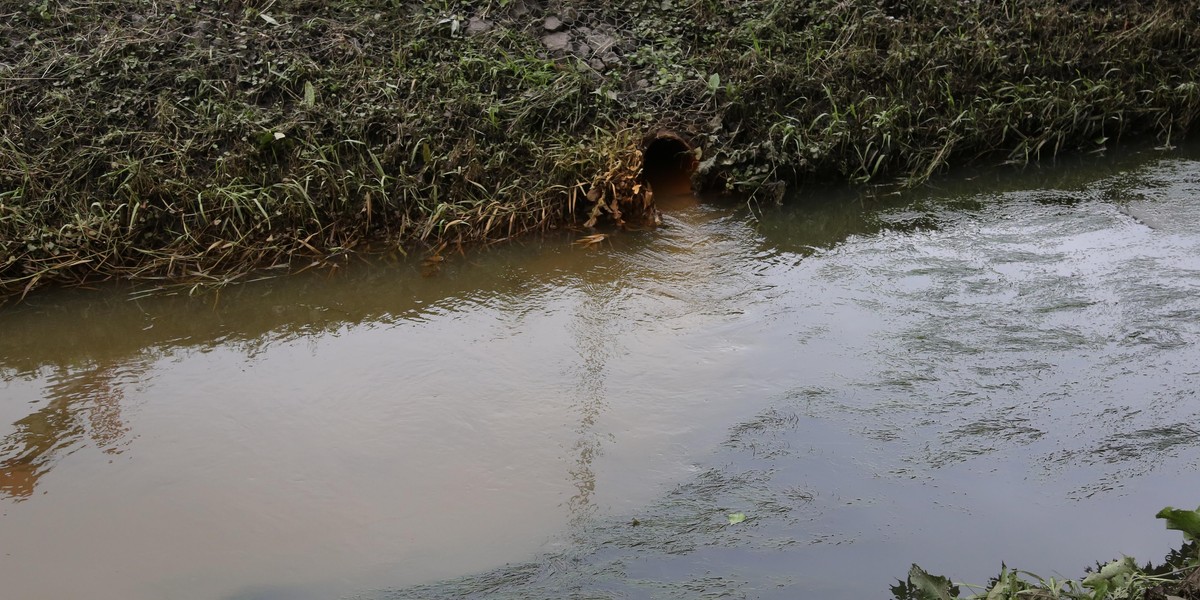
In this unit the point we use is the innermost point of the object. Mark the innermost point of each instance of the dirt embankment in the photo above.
(199, 139)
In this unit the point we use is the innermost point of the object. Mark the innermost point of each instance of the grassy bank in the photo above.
(195, 140)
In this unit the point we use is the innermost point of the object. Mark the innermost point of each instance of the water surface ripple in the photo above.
(995, 368)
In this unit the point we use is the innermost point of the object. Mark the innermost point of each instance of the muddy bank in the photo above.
(195, 140)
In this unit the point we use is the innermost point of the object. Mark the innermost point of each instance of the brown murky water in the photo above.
(981, 371)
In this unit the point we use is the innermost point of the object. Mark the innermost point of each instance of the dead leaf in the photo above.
(588, 241)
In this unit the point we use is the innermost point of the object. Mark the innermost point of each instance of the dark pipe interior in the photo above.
(667, 165)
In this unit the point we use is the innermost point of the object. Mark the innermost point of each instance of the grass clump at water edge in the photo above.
(196, 140)
(1178, 578)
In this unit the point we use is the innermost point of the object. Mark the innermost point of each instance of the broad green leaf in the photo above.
(310, 94)
(1187, 521)
(1007, 585)
(1114, 573)
(735, 518)
(1099, 590)
(931, 587)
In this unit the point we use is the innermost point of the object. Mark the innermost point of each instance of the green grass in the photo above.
(198, 140)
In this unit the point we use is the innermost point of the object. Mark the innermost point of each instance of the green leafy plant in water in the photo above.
(921, 585)
(1117, 576)
(1120, 579)
(1187, 521)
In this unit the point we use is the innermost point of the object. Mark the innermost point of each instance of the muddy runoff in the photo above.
(1001, 367)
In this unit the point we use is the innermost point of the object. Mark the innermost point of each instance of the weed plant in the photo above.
(1177, 578)
(195, 140)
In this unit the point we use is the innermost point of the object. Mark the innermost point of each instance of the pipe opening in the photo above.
(668, 164)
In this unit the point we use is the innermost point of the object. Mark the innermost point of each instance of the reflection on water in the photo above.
(1008, 358)
(591, 329)
(86, 404)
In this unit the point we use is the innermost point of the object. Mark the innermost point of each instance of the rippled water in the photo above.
(995, 368)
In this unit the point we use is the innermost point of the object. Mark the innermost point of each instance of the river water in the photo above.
(997, 367)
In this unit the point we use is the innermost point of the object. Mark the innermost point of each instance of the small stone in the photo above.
(552, 23)
(583, 49)
(600, 42)
(611, 58)
(569, 15)
(477, 26)
(557, 42)
(596, 64)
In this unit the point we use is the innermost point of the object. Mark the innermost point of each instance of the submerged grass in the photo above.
(197, 139)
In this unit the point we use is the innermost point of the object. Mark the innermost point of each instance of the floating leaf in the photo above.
(735, 518)
(591, 240)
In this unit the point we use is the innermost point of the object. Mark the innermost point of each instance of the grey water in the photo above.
(1000, 366)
